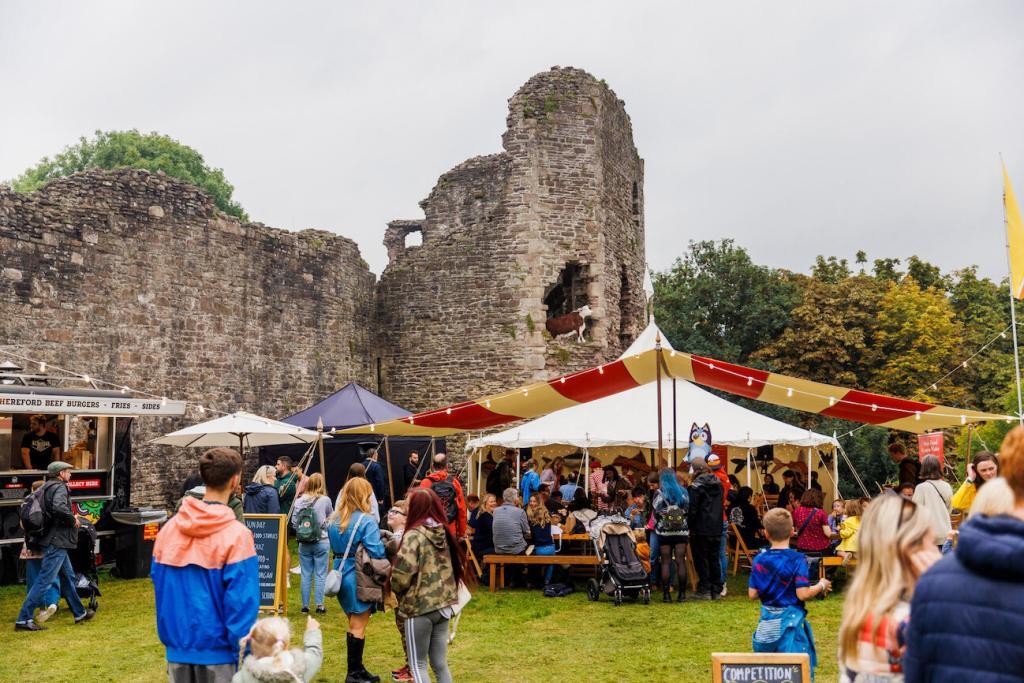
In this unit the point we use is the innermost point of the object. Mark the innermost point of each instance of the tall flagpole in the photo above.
(1013, 307)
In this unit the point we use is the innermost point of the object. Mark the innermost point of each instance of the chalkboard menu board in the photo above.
(270, 532)
(747, 667)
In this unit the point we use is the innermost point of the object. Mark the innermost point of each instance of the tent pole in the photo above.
(675, 429)
(479, 470)
(810, 466)
(657, 365)
(750, 466)
(835, 470)
(391, 481)
(586, 467)
(320, 443)
(519, 459)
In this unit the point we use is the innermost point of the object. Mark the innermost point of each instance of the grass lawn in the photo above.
(508, 636)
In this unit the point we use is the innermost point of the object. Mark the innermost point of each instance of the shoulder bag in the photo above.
(332, 584)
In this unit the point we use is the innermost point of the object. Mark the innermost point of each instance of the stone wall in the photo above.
(138, 277)
(463, 313)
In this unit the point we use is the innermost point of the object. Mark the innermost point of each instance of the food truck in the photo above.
(44, 418)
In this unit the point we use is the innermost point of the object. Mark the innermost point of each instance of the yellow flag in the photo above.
(1014, 237)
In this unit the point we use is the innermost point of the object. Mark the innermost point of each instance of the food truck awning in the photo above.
(64, 401)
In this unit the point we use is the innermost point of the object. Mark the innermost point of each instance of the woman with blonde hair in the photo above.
(896, 545)
(309, 519)
(350, 527)
(261, 496)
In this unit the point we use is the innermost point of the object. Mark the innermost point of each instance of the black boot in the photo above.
(355, 660)
(366, 675)
(665, 597)
(682, 592)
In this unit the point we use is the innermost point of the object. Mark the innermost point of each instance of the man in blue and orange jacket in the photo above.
(205, 574)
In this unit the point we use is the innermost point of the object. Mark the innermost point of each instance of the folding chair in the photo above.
(472, 558)
(740, 548)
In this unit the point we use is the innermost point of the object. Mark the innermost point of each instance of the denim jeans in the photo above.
(655, 546)
(546, 551)
(723, 554)
(313, 564)
(56, 564)
(32, 569)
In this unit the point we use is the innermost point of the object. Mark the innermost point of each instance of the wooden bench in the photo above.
(834, 561)
(499, 562)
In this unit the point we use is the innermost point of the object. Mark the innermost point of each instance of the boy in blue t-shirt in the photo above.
(779, 579)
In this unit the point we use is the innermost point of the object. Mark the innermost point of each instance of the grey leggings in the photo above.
(427, 634)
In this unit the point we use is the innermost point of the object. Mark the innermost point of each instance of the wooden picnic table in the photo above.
(499, 562)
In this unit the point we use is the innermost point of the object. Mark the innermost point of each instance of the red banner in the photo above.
(932, 443)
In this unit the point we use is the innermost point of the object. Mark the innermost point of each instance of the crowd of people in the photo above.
(205, 572)
(930, 598)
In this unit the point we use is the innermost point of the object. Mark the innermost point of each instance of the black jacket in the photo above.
(375, 475)
(62, 532)
(499, 479)
(410, 473)
(706, 506)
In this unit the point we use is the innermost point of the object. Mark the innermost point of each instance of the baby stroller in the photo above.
(83, 561)
(620, 572)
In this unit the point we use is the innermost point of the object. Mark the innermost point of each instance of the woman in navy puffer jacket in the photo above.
(967, 615)
(261, 496)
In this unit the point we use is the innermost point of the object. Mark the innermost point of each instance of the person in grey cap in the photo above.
(59, 536)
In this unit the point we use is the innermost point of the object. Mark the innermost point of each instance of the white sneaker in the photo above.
(725, 589)
(45, 613)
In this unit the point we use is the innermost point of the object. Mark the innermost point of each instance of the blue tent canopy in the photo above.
(350, 406)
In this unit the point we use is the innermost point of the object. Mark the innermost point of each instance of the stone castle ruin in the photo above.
(138, 278)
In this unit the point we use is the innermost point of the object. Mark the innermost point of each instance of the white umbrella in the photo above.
(239, 429)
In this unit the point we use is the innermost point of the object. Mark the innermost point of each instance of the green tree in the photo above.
(830, 269)
(982, 307)
(867, 450)
(829, 332)
(925, 274)
(716, 302)
(152, 152)
(888, 269)
(917, 340)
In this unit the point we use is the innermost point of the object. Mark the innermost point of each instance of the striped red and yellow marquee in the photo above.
(541, 398)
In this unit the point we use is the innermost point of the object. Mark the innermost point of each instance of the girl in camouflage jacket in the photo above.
(425, 578)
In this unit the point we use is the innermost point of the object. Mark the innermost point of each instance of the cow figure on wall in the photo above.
(576, 321)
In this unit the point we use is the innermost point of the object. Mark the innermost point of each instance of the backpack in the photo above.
(671, 520)
(34, 518)
(306, 528)
(445, 490)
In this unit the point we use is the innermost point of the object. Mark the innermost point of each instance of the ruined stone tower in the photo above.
(137, 278)
(553, 222)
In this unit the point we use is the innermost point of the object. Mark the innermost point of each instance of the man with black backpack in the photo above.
(449, 490)
(53, 528)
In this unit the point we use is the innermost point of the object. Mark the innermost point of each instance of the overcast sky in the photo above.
(797, 128)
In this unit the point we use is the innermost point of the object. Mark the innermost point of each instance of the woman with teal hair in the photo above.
(671, 503)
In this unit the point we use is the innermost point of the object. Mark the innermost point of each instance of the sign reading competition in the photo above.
(270, 534)
(747, 667)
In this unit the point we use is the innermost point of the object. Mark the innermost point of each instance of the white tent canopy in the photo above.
(236, 430)
(629, 418)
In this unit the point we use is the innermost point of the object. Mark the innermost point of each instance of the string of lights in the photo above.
(600, 369)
